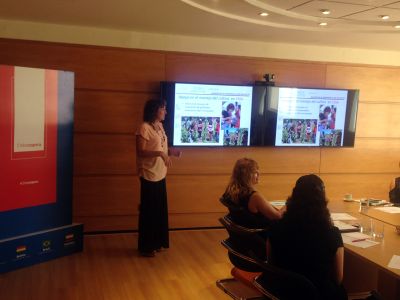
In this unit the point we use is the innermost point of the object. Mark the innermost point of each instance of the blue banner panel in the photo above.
(29, 249)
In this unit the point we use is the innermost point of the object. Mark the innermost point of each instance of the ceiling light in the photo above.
(263, 14)
(397, 26)
(323, 24)
(325, 11)
(384, 17)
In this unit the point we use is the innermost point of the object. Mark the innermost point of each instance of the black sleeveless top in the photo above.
(256, 244)
(242, 216)
(394, 194)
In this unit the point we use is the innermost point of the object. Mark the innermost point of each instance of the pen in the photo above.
(359, 240)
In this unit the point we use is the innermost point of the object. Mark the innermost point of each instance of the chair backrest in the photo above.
(241, 242)
(230, 205)
(239, 214)
(277, 283)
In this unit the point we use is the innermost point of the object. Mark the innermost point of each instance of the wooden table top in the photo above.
(390, 244)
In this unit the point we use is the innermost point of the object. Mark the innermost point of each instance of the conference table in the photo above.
(367, 268)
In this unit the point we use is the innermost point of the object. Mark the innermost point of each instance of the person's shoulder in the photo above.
(335, 230)
(255, 196)
(334, 234)
(144, 129)
(144, 125)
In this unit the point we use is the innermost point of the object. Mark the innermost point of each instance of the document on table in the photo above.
(390, 209)
(278, 203)
(344, 226)
(394, 262)
(342, 217)
(358, 239)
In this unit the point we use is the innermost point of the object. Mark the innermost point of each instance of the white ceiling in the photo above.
(352, 23)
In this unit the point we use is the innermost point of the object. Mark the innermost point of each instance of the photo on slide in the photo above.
(230, 114)
(327, 117)
(330, 138)
(200, 130)
(299, 131)
(236, 137)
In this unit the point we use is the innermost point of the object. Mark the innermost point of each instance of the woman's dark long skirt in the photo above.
(153, 216)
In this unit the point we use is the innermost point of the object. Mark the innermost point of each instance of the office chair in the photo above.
(240, 243)
(279, 284)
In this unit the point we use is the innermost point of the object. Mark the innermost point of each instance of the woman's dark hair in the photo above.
(327, 109)
(150, 109)
(230, 107)
(308, 205)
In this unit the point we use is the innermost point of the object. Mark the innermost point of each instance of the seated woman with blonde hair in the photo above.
(256, 211)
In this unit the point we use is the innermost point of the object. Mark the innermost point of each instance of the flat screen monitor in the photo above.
(212, 115)
(218, 115)
(304, 117)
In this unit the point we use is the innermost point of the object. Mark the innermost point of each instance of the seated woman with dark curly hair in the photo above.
(306, 242)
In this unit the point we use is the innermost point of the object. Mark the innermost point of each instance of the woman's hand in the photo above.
(174, 152)
(167, 160)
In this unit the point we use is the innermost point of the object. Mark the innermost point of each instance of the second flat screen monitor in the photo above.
(296, 117)
(212, 115)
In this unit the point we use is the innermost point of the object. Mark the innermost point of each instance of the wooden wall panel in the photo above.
(368, 156)
(239, 70)
(359, 185)
(378, 120)
(375, 83)
(95, 67)
(221, 161)
(110, 195)
(104, 154)
(109, 112)
(194, 193)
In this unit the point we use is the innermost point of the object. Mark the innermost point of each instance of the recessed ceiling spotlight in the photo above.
(323, 24)
(384, 17)
(397, 26)
(325, 11)
(263, 14)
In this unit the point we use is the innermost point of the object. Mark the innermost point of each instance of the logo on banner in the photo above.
(69, 239)
(46, 246)
(20, 251)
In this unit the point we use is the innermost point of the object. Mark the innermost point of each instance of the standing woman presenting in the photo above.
(153, 160)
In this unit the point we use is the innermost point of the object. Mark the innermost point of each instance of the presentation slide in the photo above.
(212, 115)
(310, 117)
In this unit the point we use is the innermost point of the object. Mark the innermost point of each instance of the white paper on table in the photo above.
(278, 203)
(352, 237)
(356, 235)
(394, 262)
(343, 226)
(390, 209)
(342, 217)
